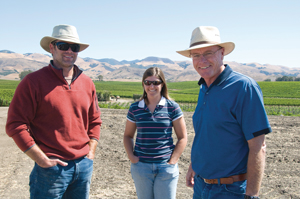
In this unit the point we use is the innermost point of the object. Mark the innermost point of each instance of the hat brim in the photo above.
(228, 46)
(45, 42)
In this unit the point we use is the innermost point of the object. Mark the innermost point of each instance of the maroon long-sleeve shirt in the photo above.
(59, 118)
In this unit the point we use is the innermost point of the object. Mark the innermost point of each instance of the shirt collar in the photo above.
(162, 102)
(222, 77)
(51, 62)
(76, 69)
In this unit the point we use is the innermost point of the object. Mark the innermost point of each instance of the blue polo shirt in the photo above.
(229, 112)
(154, 142)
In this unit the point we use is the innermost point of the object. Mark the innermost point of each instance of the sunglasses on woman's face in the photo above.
(65, 46)
(155, 83)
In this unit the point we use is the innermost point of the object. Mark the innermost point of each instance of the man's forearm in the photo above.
(37, 155)
(255, 171)
(93, 146)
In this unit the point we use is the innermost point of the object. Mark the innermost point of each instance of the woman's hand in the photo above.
(134, 159)
(172, 163)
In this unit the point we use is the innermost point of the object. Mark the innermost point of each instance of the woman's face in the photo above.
(153, 86)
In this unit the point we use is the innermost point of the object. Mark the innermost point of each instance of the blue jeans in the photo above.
(72, 181)
(155, 180)
(202, 190)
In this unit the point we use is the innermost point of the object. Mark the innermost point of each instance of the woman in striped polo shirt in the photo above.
(154, 157)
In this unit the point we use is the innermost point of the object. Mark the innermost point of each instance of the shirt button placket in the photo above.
(205, 98)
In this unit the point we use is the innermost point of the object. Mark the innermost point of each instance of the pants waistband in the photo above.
(78, 159)
(228, 180)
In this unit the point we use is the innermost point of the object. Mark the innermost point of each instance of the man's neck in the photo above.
(67, 71)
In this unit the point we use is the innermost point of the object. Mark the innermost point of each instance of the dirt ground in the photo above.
(112, 179)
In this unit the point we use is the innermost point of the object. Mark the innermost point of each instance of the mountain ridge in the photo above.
(12, 64)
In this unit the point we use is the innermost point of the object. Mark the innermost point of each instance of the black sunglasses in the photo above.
(65, 46)
(155, 83)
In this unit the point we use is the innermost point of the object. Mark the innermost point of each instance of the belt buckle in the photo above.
(211, 181)
(222, 181)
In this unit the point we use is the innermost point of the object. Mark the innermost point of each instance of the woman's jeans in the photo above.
(203, 190)
(72, 181)
(155, 180)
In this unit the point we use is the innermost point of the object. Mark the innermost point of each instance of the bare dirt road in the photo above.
(112, 179)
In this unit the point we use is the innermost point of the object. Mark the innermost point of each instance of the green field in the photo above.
(280, 98)
(275, 93)
(8, 84)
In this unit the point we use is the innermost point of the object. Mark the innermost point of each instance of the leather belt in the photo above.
(228, 180)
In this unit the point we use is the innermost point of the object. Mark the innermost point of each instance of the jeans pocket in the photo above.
(50, 170)
(171, 165)
(85, 157)
(236, 187)
(47, 175)
(135, 163)
(168, 171)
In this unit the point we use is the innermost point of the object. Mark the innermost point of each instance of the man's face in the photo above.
(63, 59)
(208, 62)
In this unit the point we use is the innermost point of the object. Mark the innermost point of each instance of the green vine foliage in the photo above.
(280, 98)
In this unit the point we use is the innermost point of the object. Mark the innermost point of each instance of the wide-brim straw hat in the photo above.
(65, 33)
(205, 36)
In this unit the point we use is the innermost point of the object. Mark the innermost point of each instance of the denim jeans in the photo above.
(202, 190)
(155, 180)
(72, 181)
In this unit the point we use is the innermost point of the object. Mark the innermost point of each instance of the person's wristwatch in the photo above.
(251, 197)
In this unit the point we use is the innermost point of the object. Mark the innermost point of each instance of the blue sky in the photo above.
(264, 31)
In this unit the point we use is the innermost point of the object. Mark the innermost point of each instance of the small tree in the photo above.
(103, 95)
(3, 102)
(136, 96)
(106, 95)
(100, 77)
(24, 73)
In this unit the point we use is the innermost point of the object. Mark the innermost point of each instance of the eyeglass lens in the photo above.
(148, 83)
(65, 46)
(206, 55)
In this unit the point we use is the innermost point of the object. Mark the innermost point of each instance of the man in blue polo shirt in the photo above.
(230, 123)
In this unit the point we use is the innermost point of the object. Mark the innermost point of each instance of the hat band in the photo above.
(203, 42)
(66, 37)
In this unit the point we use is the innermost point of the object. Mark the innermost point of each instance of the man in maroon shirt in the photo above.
(54, 118)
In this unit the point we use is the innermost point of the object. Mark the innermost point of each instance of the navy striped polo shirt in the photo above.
(154, 142)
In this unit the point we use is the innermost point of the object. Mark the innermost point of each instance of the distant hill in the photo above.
(6, 51)
(11, 64)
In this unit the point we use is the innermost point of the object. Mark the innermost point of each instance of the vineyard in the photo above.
(280, 98)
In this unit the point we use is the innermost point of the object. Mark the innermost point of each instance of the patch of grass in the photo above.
(280, 98)
(115, 105)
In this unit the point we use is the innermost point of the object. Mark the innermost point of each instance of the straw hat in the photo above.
(65, 33)
(205, 36)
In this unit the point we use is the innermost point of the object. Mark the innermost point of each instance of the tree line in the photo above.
(287, 78)
(26, 72)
